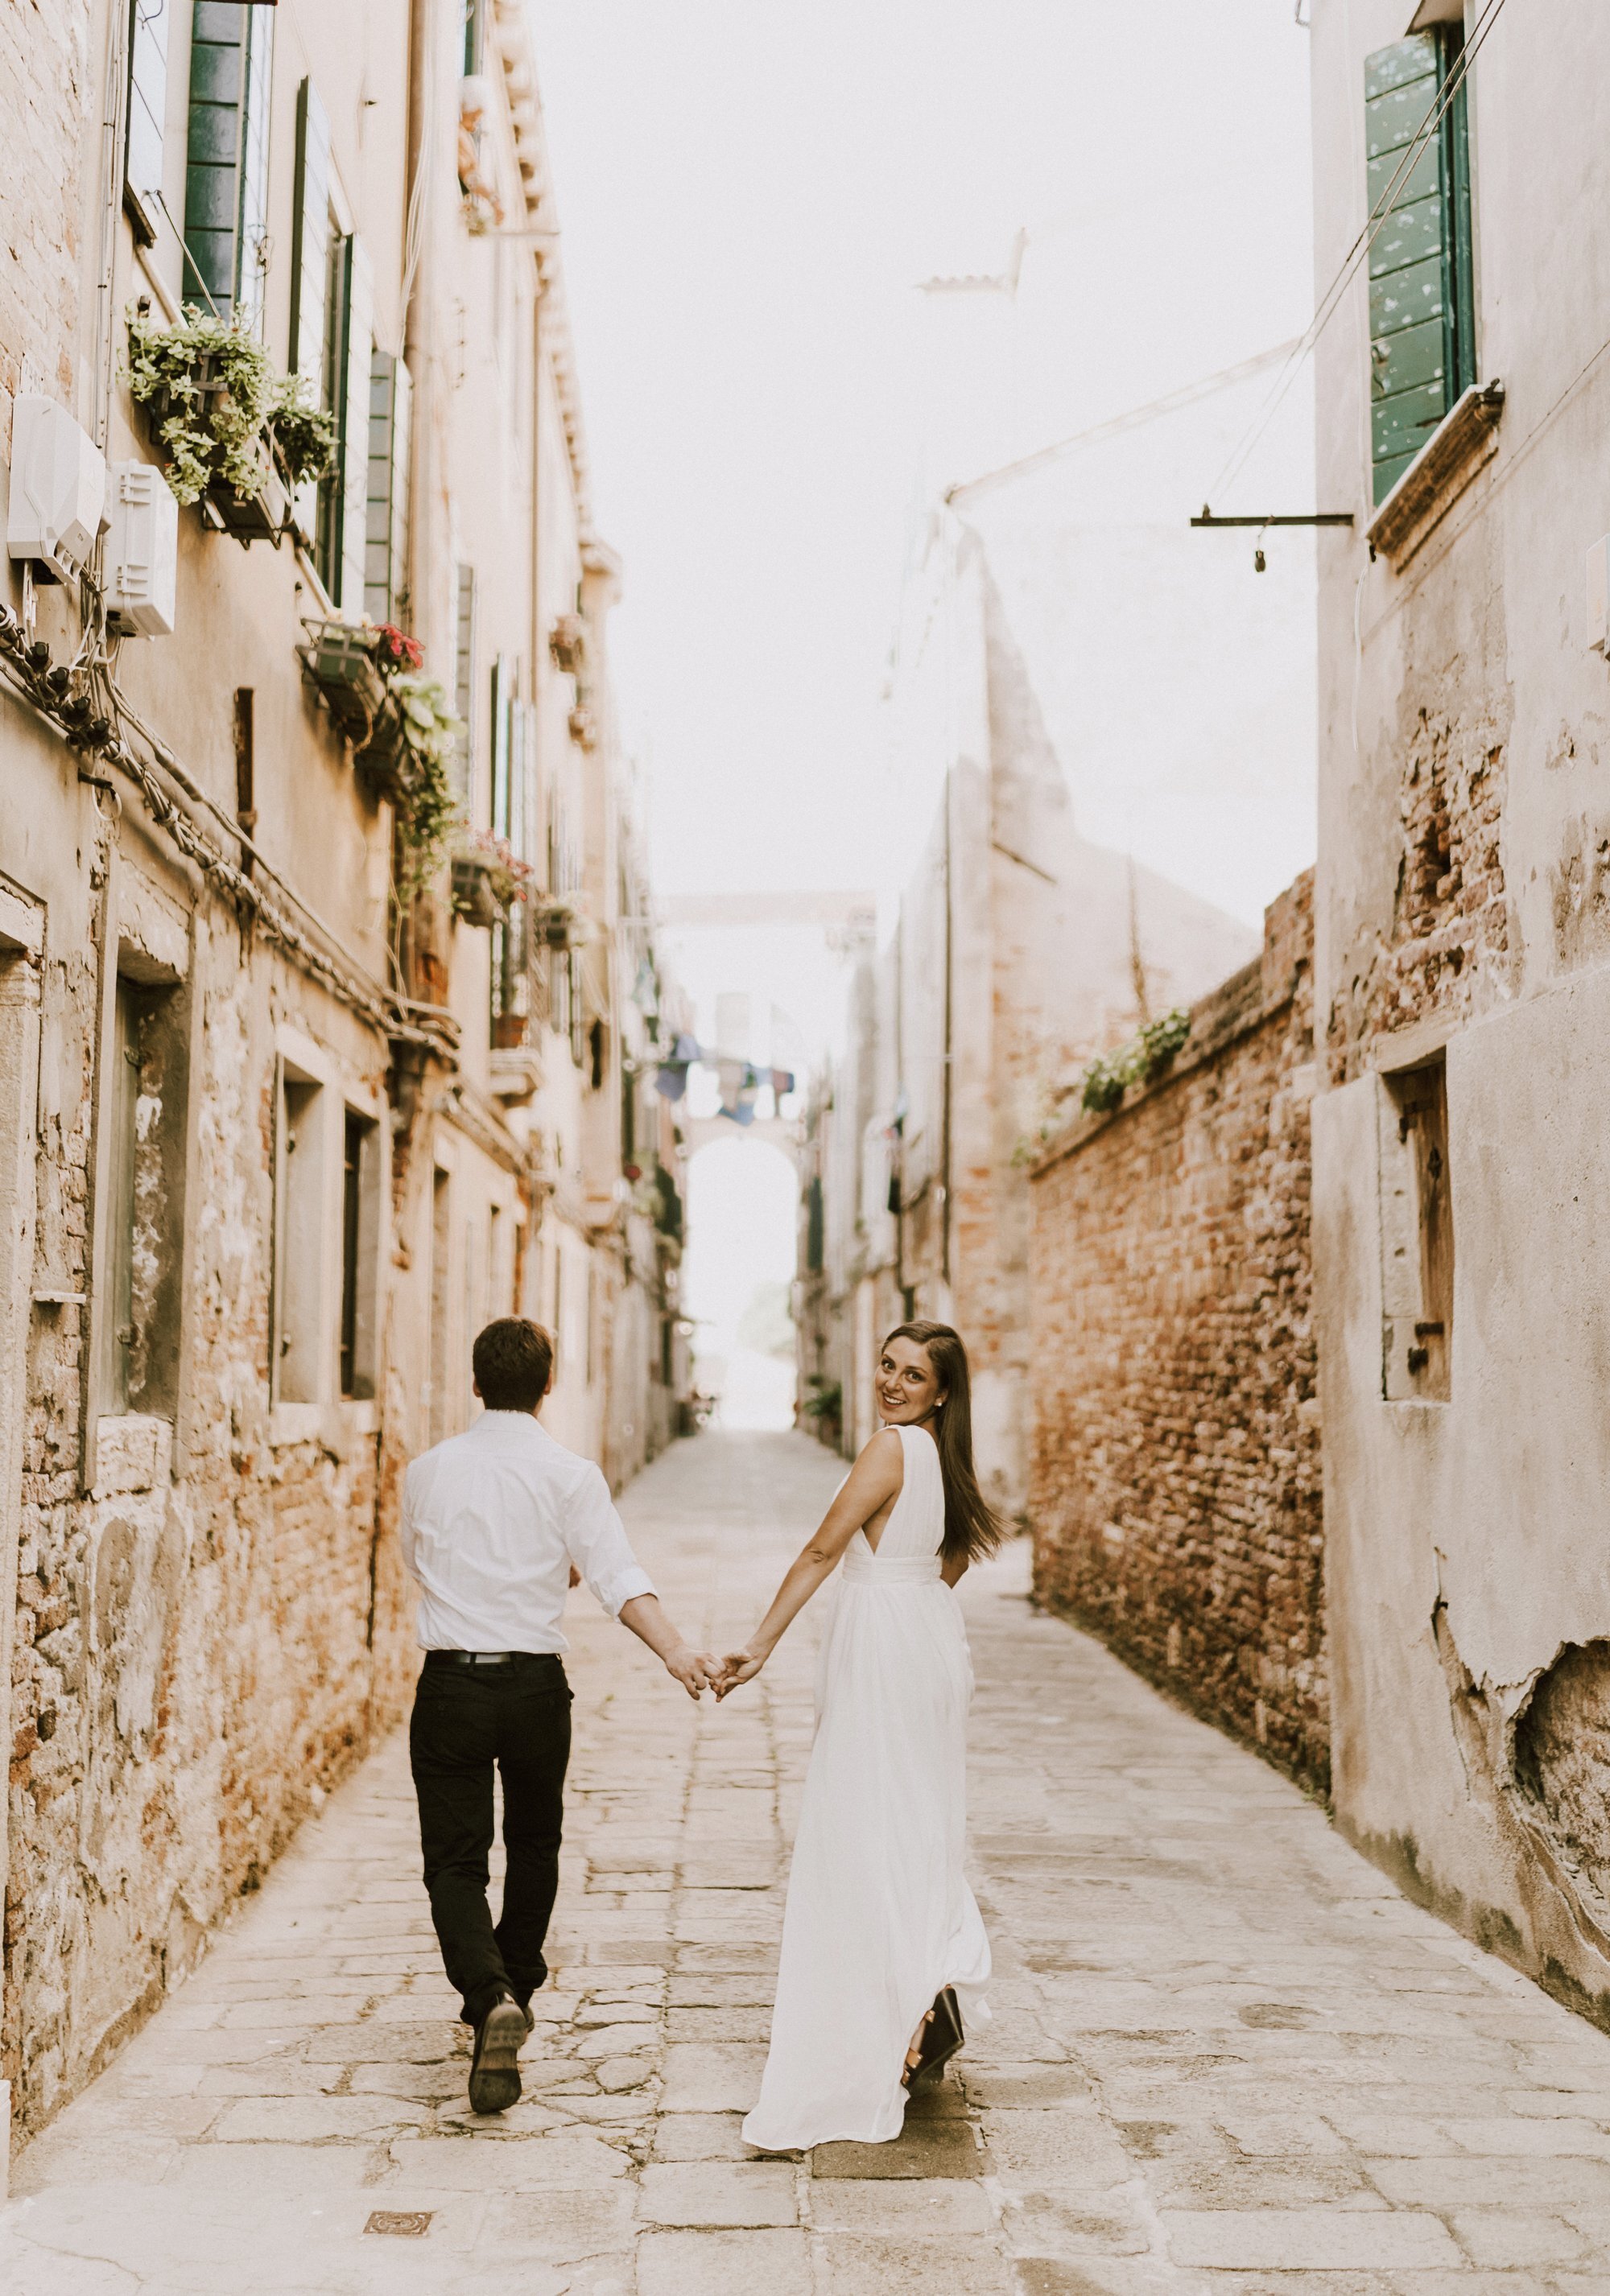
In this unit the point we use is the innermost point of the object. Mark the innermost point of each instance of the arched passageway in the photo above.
(742, 1211)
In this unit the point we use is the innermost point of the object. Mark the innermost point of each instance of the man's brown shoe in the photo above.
(495, 2067)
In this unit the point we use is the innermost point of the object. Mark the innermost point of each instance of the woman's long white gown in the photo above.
(879, 1915)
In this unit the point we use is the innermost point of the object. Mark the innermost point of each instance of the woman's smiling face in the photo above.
(908, 1385)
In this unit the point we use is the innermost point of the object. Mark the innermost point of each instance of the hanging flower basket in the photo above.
(567, 643)
(584, 728)
(340, 660)
(383, 755)
(560, 925)
(208, 388)
(488, 877)
(262, 517)
(474, 901)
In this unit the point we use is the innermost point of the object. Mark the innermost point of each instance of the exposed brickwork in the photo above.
(45, 102)
(1450, 931)
(199, 1651)
(1175, 1493)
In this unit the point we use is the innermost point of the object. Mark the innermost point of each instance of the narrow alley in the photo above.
(1225, 2054)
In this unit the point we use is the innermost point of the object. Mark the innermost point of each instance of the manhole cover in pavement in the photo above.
(404, 2224)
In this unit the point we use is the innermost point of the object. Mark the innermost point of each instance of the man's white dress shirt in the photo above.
(491, 1522)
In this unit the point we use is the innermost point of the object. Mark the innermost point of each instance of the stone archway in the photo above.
(742, 1210)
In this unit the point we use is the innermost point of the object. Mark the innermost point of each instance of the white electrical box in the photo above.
(1598, 595)
(58, 487)
(142, 553)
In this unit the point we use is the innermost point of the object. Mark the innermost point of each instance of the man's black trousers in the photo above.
(516, 1714)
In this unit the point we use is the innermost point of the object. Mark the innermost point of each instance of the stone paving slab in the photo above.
(1227, 2059)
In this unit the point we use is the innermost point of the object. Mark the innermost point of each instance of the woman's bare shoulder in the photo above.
(884, 1454)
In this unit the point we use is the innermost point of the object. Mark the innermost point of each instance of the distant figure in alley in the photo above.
(496, 1523)
(883, 1943)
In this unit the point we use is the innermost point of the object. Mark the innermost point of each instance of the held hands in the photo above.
(737, 1666)
(696, 1670)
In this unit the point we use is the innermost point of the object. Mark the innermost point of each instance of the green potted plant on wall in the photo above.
(209, 388)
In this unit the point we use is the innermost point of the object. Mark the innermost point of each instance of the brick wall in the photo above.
(209, 1638)
(1175, 1493)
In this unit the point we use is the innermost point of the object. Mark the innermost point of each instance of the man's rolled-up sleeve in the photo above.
(599, 1548)
(408, 1535)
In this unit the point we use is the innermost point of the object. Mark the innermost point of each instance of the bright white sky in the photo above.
(750, 193)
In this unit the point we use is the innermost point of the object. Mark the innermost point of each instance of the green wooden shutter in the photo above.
(1421, 299)
(310, 243)
(352, 419)
(464, 678)
(226, 160)
(251, 249)
(147, 111)
(218, 58)
(386, 533)
(500, 746)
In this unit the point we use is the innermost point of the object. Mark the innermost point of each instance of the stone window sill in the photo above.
(1439, 474)
(335, 1425)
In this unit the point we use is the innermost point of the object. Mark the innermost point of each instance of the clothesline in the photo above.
(741, 1081)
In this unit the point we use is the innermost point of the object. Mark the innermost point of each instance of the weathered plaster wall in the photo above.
(1175, 1489)
(1465, 832)
(196, 1655)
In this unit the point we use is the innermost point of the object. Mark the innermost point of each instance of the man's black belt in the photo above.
(483, 1658)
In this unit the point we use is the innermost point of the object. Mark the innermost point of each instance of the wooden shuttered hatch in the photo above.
(226, 157)
(1422, 343)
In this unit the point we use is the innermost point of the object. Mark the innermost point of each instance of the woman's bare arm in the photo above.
(872, 1482)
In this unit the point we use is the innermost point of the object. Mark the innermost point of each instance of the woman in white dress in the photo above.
(885, 1955)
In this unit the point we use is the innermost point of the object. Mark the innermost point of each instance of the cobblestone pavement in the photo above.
(1226, 2055)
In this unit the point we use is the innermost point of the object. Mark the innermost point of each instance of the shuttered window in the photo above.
(464, 678)
(1421, 299)
(352, 423)
(386, 533)
(226, 157)
(310, 243)
(147, 108)
(342, 533)
(502, 703)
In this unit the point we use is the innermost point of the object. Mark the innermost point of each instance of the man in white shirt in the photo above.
(497, 1523)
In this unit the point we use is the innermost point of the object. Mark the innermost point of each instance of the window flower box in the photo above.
(560, 925)
(488, 877)
(340, 660)
(567, 643)
(474, 899)
(262, 517)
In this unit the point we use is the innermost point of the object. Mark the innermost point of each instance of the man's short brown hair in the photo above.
(512, 1359)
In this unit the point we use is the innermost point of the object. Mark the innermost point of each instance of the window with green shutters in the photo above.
(226, 158)
(310, 243)
(386, 534)
(148, 25)
(1422, 296)
(463, 680)
(342, 533)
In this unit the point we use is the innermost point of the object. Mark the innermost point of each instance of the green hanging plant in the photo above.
(304, 435)
(427, 803)
(210, 385)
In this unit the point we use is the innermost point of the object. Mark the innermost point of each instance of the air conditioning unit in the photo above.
(58, 487)
(142, 553)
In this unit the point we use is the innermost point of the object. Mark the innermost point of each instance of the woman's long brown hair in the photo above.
(971, 1529)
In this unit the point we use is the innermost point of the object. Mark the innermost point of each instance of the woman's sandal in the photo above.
(943, 2037)
(913, 2054)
